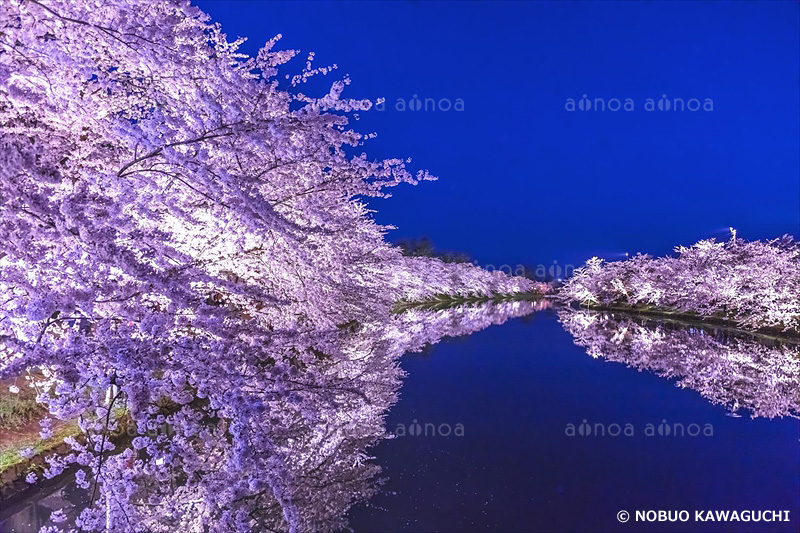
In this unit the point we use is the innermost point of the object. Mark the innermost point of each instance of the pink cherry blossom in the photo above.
(185, 251)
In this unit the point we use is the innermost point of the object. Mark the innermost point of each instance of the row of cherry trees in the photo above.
(755, 283)
(183, 238)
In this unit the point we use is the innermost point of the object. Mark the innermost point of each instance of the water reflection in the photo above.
(727, 368)
(34, 513)
(314, 437)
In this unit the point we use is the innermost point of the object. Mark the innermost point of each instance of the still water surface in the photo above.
(558, 420)
(516, 387)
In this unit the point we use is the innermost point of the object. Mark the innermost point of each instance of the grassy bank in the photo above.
(446, 301)
(20, 431)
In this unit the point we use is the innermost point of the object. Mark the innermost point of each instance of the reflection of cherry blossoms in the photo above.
(428, 326)
(255, 453)
(730, 369)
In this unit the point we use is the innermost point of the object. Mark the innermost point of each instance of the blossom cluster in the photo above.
(188, 477)
(734, 370)
(754, 283)
(184, 241)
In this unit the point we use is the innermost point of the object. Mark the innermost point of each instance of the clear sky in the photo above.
(521, 178)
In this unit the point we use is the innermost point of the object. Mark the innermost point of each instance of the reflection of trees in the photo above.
(328, 464)
(328, 461)
(729, 369)
(429, 326)
(259, 455)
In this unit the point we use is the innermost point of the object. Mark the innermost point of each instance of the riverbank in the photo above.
(441, 302)
(16, 464)
(693, 319)
(446, 301)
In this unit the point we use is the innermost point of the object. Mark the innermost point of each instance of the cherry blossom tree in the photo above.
(184, 242)
(756, 284)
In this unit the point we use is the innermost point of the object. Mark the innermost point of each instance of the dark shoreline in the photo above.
(773, 334)
(689, 319)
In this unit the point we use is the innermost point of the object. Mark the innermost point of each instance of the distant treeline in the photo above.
(424, 247)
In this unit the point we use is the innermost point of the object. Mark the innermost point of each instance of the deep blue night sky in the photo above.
(524, 180)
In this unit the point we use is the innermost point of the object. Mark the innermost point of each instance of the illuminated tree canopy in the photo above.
(183, 240)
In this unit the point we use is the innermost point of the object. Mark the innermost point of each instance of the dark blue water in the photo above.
(514, 388)
(491, 429)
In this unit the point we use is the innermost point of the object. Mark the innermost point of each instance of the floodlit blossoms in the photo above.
(756, 284)
(308, 445)
(183, 241)
(730, 369)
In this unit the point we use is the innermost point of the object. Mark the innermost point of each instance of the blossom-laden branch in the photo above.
(202, 228)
